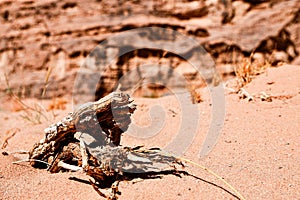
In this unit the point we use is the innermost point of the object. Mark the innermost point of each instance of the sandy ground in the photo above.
(258, 151)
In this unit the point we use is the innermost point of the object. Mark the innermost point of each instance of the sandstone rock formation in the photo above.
(44, 43)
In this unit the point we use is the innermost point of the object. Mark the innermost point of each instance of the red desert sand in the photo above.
(258, 151)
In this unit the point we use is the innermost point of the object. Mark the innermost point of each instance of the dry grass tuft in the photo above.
(34, 113)
(249, 69)
(195, 95)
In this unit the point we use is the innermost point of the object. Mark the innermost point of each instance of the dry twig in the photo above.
(10, 133)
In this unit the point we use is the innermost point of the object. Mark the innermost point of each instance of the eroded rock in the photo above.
(37, 36)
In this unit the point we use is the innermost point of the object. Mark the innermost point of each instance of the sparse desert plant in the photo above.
(34, 113)
(249, 68)
(195, 95)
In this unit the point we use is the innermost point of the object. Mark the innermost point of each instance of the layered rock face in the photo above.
(44, 43)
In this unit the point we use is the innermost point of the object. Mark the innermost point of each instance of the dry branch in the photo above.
(10, 134)
(89, 139)
(87, 119)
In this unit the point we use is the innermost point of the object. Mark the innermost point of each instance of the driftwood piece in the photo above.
(89, 139)
(97, 119)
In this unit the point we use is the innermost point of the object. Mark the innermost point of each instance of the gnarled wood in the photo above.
(105, 119)
(88, 139)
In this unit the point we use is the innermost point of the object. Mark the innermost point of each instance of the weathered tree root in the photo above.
(88, 139)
